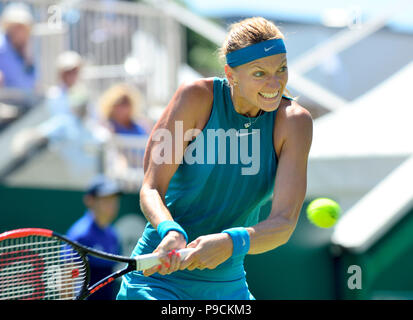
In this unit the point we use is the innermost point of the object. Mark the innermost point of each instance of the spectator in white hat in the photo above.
(68, 66)
(69, 96)
(70, 128)
(17, 68)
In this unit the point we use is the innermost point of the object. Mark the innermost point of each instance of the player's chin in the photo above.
(269, 105)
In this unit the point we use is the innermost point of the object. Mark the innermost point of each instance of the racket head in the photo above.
(38, 264)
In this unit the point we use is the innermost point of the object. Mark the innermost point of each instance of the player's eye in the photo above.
(258, 73)
(283, 69)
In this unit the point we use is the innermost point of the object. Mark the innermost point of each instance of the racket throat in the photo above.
(102, 283)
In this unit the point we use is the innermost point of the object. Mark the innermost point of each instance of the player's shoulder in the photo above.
(193, 100)
(199, 90)
(293, 122)
(291, 113)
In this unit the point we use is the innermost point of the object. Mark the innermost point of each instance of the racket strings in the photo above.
(34, 263)
(49, 243)
(9, 277)
(25, 291)
(71, 272)
(39, 268)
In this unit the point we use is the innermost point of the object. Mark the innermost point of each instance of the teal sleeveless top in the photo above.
(210, 192)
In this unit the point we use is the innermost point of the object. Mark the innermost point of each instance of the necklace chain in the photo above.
(247, 125)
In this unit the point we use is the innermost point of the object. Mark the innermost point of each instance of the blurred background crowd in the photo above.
(40, 72)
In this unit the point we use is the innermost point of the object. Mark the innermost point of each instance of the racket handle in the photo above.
(146, 261)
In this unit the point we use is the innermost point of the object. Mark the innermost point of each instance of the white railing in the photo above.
(122, 160)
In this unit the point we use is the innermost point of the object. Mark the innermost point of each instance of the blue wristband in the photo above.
(165, 226)
(240, 239)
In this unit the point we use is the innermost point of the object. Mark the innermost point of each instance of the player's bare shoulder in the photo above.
(292, 120)
(197, 89)
(198, 93)
(201, 95)
(188, 102)
(291, 110)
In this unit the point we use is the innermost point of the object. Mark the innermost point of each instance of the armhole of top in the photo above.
(288, 98)
(212, 111)
(215, 90)
(275, 120)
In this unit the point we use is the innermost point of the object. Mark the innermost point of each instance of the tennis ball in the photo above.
(323, 212)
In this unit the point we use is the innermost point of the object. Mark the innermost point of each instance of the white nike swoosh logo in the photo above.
(243, 242)
(266, 49)
(244, 133)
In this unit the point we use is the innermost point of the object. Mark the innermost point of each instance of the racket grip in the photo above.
(146, 261)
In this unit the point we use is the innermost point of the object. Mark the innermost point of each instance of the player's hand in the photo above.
(168, 255)
(210, 251)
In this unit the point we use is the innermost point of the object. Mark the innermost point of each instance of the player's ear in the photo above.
(230, 74)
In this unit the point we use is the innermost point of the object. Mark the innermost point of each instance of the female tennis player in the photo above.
(214, 206)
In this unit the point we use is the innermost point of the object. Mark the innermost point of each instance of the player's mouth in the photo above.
(270, 96)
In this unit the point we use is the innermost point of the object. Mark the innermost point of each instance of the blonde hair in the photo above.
(114, 94)
(248, 32)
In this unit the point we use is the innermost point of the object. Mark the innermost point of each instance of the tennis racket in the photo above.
(39, 264)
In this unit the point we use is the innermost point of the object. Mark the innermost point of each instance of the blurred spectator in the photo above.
(71, 132)
(94, 230)
(69, 96)
(120, 109)
(17, 67)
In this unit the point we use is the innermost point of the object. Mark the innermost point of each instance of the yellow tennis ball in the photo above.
(323, 212)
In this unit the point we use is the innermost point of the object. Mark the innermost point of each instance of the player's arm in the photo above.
(185, 107)
(290, 182)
